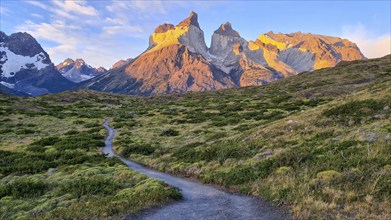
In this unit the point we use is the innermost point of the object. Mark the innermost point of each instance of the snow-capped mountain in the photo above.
(178, 60)
(26, 67)
(78, 71)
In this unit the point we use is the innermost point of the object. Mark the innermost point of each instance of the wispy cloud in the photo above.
(371, 45)
(38, 4)
(56, 31)
(144, 7)
(120, 29)
(37, 15)
(77, 7)
(79, 30)
(3, 10)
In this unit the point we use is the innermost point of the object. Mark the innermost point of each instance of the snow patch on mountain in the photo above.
(9, 85)
(78, 70)
(74, 75)
(14, 62)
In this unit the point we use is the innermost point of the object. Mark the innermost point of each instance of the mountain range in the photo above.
(177, 60)
(78, 71)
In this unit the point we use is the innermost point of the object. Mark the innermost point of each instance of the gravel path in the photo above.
(199, 201)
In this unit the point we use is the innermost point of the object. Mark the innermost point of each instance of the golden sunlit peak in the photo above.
(191, 20)
(267, 39)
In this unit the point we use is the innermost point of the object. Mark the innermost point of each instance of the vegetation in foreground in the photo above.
(51, 167)
(319, 143)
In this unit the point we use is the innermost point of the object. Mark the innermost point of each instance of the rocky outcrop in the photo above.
(187, 33)
(280, 55)
(327, 51)
(192, 20)
(164, 28)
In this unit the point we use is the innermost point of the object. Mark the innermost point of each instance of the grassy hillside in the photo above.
(51, 167)
(318, 143)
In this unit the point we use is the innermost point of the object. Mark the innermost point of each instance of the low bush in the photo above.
(170, 132)
(242, 174)
(138, 148)
(94, 185)
(23, 187)
(25, 131)
(356, 111)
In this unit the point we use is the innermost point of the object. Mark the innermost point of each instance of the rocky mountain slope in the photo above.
(78, 70)
(178, 60)
(7, 91)
(175, 61)
(120, 63)
(26, 67)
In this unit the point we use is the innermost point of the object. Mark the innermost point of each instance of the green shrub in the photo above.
(94, 185)
(78, 122)
(25, 131)
(23, 188)
(220, 152)
(71, 132)
(35, 148)
(242, 174)
(356, 110)
(5, 130)
(138, 148)
(46, 141)
(169, 132)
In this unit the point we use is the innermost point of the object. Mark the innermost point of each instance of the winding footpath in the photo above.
(199, 201)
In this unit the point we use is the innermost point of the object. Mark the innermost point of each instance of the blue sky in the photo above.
(104, 31)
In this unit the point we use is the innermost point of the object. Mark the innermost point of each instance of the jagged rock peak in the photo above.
(191, 20)
(101, 69)
(78, 70)
(226, 29)
(68, 61)
(80, 62)
(27, 68)
(23, 44)
(3, 36)
(164, 28)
